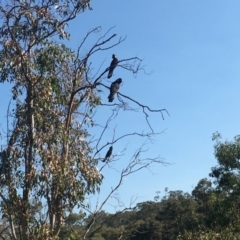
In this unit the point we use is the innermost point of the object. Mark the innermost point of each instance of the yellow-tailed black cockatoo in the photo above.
(114, 63)
(114, 88)
(108, 155)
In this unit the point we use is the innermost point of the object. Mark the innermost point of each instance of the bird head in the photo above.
(114, 56)
(119, 80)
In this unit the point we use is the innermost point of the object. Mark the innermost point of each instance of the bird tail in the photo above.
(110, 98)
(109, 75)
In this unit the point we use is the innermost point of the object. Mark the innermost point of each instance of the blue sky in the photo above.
(192, 50)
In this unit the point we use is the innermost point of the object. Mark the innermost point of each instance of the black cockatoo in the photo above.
(108, 155)
(114, 63)
(114, 88)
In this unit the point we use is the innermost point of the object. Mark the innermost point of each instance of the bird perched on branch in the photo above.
(113, 64)
(114, 88)
(108, 155)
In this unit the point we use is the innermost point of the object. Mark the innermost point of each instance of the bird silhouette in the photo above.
(108, 155)
(113, 64)
(114, 88)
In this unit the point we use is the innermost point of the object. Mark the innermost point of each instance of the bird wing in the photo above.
(115, 87)
(113, 64)
(109, 152)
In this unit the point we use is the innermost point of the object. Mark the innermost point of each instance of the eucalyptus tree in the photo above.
(49, 163)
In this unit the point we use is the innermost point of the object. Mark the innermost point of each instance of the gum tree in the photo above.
(49, 162)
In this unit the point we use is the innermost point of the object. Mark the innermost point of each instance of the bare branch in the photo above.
(106, 125)
(4, 229)
(144, 107)
(135, 165)
(148, 135)
(109, 219)
(10, 217)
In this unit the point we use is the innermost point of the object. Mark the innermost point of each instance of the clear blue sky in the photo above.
(192, 50)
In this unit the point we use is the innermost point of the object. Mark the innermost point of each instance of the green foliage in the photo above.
(37, 165)
(210, 212)
(49, 162)
(47, 167)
